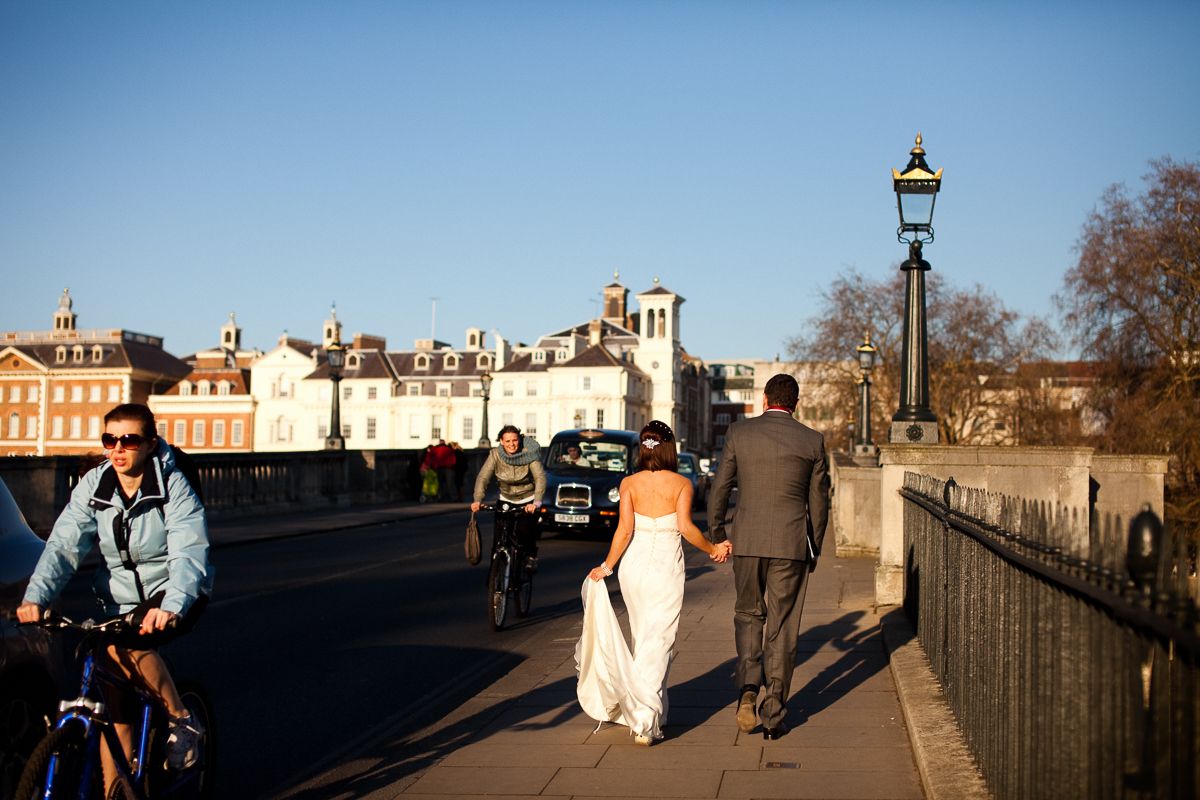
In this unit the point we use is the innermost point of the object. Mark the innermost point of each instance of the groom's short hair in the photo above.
(782, 390)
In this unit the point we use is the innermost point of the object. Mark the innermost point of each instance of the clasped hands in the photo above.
(721, 552)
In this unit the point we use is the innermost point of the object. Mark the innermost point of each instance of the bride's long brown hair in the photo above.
(657, 448)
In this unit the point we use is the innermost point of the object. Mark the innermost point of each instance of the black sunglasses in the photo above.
(129, 441)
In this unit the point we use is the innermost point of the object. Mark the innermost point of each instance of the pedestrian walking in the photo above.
(777, 531)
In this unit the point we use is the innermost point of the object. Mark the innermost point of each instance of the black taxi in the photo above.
(584, 468)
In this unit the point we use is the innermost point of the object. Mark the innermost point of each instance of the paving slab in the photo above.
(492, 754)
(801, 784)
(459, 781)
(645, 782)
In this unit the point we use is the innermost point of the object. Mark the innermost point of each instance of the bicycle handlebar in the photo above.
(52, 620)
(504, 506)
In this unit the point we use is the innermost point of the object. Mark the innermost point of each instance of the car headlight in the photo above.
(614, 494)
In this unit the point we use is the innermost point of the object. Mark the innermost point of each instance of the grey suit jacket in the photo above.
(783, 488)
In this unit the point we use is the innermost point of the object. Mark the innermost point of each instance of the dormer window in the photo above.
(483, 360)
(451, 361)
(78, 353)
(224, 387)
(97, 353)
(204, 387)
(539, 356)
(422, 361)
(185, 389)
(561, 355)
(352, 361)
(60, 355)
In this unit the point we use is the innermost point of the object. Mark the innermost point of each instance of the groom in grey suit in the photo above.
(777, 532)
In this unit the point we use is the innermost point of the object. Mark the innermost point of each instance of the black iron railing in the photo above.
(1068, 677)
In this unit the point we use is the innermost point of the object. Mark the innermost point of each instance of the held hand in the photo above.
(29, 612)
(529, 509)
(722, 551)
(475, 507)
(600, 571)
(156, 620)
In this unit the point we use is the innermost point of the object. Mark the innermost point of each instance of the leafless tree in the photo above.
(1132, 302)
(975, 348)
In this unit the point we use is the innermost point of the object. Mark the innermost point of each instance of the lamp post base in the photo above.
(913, 433)
(335, 443)
(866, 455)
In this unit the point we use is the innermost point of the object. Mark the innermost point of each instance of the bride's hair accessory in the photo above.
(605, 568)
(661, 428)
(651, 443)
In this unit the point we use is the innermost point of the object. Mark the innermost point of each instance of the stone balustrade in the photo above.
(243, 483)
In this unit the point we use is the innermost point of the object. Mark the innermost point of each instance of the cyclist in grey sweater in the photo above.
(517, 467)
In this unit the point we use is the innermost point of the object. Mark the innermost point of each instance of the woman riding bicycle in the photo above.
(517, 467)
(153, 537)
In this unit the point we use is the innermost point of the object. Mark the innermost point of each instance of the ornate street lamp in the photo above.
(485, 383)
(916, 191)
(336, 353)
(863, 446)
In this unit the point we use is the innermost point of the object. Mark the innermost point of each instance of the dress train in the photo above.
(618, 683)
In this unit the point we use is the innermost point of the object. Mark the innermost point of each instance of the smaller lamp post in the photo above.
(485, 383)
(864, 447)
(336, 353)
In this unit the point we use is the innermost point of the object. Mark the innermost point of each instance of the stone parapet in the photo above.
(854, 512)
(1056, 476)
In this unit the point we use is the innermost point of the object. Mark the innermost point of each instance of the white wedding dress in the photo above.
(629, 685)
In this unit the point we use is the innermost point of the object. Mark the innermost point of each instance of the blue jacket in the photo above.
(166, 532)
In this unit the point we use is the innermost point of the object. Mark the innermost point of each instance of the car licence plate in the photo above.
(571, 518)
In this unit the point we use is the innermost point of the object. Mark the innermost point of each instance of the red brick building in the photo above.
(211, 409)
(57, 385)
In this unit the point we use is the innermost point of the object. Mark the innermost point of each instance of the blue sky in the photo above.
(173, 162)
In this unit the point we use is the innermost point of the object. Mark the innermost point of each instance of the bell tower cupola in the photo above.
(64, 317)
(231, 335)
(333, 328)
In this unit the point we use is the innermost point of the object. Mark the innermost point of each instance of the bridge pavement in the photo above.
(867, 719)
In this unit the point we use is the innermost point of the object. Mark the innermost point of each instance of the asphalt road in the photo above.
(314, 645)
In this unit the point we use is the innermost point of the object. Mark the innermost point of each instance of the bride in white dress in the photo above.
(619, 683)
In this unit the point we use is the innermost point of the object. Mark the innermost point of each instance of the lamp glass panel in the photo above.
(337, 357)
(866, 360)
(916, 209)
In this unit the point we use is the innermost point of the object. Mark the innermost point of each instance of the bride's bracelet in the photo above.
(605, 568)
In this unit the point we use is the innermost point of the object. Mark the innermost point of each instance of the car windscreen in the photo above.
(687, 466)
(593, 455)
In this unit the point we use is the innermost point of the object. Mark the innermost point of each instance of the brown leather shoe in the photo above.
(747, 715)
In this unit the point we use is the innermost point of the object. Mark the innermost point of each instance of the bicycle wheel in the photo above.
(498, 581)
(69, 744)
(524, 592)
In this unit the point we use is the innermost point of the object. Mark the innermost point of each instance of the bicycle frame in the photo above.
(508, 577)
(73, 761)
(92, 714)
(504, 531)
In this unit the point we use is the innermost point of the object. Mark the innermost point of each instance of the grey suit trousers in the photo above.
(768, 589)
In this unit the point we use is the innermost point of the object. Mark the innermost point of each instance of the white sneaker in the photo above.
(183, 742)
